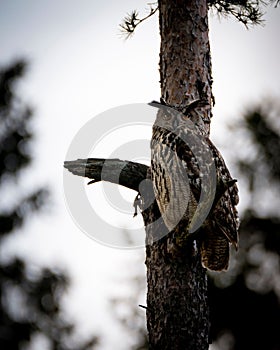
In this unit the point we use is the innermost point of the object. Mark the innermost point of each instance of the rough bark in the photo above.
(177, 307)
(185, 61)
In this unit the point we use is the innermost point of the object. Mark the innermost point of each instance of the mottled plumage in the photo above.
(193, 187)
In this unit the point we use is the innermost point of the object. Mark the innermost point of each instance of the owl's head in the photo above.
(173, 121)
(177, 121)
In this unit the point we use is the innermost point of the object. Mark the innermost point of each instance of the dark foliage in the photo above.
(252, 318)
(247, 12)
(247, 305)
(30, 302)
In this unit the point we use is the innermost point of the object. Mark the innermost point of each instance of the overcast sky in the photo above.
(80, 67)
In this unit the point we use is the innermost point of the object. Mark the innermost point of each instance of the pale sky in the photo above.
(80, 67)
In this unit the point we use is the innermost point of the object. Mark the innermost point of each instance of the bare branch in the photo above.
(128, 174)
(121, 172)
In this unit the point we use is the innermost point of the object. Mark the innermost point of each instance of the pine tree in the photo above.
(30, 303)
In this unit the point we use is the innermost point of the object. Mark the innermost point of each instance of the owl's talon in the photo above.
(92, 182)
(230, 183)
(136, 203)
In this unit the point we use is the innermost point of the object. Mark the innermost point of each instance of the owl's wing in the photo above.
(225, 212)
(171, 188)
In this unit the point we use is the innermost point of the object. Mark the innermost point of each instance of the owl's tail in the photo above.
(214, 251)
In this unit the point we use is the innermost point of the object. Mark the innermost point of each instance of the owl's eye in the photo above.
(166, 116)
(185, 117)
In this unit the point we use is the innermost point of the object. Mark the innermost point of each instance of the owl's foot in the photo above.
(136, 203)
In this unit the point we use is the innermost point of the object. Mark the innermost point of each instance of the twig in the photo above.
(131, 21)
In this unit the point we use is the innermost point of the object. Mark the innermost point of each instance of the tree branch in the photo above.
(121, 172)
(131, 21)
(126, 173)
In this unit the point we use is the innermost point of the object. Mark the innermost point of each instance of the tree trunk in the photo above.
(185, 61)
(177, 307)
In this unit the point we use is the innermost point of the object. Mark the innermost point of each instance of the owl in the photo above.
(193, 188)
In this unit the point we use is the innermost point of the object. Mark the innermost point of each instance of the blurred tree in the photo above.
(124, 304)
(30, 303)
(245, 301)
